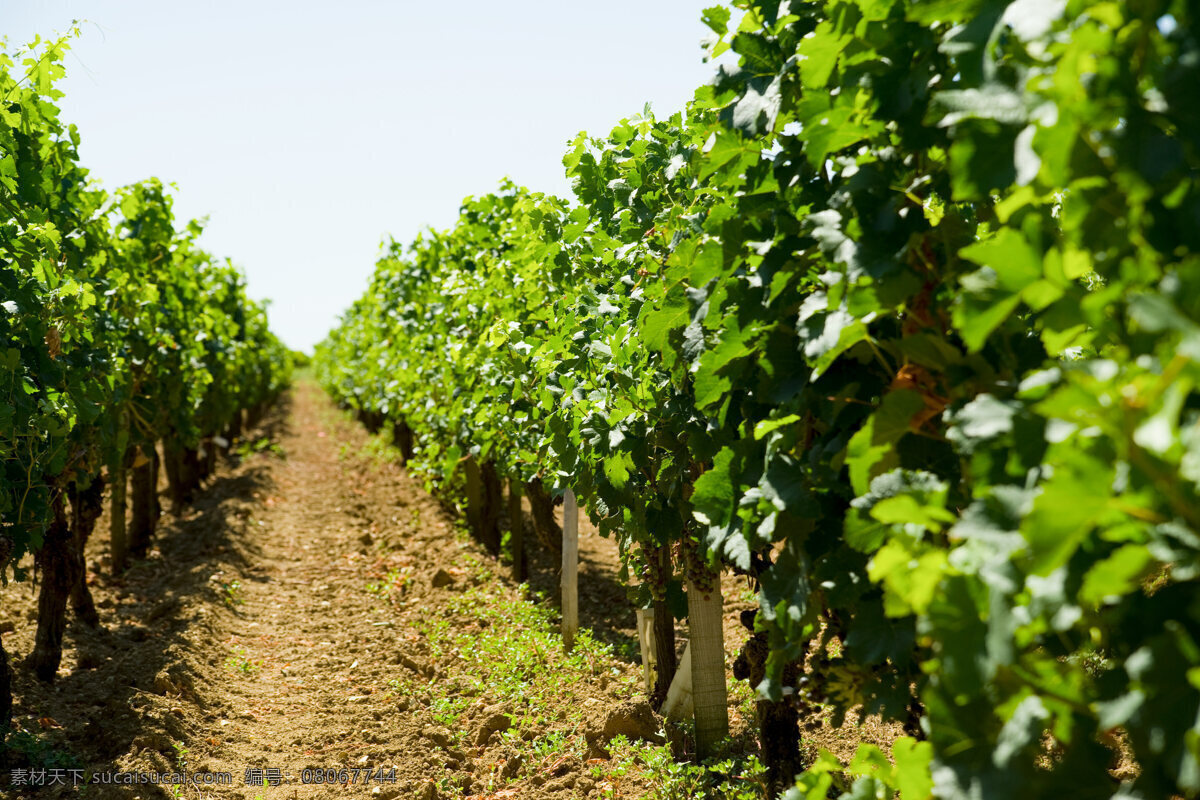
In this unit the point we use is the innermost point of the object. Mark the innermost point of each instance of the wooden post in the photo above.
(145, 501)
(516, 529)
(570, 569)
(474, 497)
(489, 517)
(645, 628)
(120, 543)
(705, 612)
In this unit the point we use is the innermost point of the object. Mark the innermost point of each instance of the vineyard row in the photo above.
(119, 337)
(899, 318)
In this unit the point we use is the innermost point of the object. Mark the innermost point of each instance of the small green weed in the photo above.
(231, 593)
(26, 749)
(181, 762)
(247, 448)
(727, 777)
(447, 710)
(396, 582)
(238, 662)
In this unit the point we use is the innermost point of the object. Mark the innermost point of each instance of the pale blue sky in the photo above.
(307, 131)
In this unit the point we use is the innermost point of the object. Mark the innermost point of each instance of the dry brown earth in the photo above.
(309, 612)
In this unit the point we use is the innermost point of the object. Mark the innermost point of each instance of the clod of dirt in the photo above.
(564, 767)
(163, 684)
(495, 721)
(439, 736)
(441, 579)
(172, 680)
(512, 767)
(163, 609)
(561, 784)
(428, 792)
(156, 742)
(89, 659)
(416, 666)
(634, 720)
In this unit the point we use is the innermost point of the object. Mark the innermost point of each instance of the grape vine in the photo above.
(900, 318)
(116, 332)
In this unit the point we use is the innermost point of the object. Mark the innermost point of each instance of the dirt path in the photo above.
(315, 613)
(315, 620)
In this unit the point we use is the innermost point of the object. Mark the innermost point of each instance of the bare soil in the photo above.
(282, 623)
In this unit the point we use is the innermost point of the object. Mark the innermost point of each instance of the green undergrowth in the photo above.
(377, 450)
(24, 749)
(240, 662)
(511, 654)
(263, 444)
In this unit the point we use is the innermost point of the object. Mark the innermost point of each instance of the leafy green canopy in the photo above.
(900, 317)
(115, 328)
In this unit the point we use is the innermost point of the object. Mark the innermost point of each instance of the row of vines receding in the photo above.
(901, 317)
(124, 349)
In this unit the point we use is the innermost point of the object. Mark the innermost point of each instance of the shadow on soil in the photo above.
(604, 607)
(89, 717)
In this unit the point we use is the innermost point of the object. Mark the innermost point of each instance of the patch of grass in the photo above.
(247, 448)
(447, 710)
(181, 763)
(518, 652)
(650, 771)
(403, 686)
(729, 778)
(27, 750)
(397, 582)
(510, 651)
(239, 662)
(231, 594)
(553, 746)
(379, 448)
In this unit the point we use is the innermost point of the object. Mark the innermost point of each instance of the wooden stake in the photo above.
(707, 637)
(645, 628)
(516, 529)
(570, 569)
(474, 498)
(116, 528)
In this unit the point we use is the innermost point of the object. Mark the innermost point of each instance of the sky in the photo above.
(308, 132)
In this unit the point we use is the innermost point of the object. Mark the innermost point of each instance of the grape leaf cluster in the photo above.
(116, 329)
